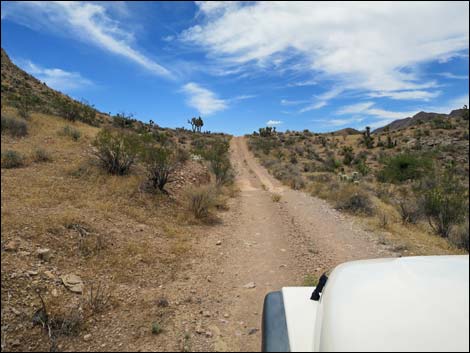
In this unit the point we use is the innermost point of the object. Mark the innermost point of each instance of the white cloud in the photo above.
(319, 101)
(373, 46)
(242, 97)
(368, 109)
(408, 95)
(202, 99)
(89, 22)
(273, 122)
(287, 102)
(452, 76)
(303, 83)
(56, 78)
(355, 108)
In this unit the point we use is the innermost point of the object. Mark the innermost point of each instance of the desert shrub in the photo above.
(98, 298)
(409, 209)
(331, 164)
(217, 155)
(445, 201)
(160, 163)
(72, 132)
(201, 199)
(123, 120)
(41, 155)
(12, 159)
(276, 197)
(404, 167)
(156, 328)
(182, 155)
(348, 155)
(353, 199)
(288, 174)
(297, 182)
(442, 123)
(460, 236)
(293, 158)
(117, 150)
(14, 127)
(23, 106)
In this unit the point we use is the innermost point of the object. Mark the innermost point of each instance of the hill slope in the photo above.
(21, 88)
(418, 119)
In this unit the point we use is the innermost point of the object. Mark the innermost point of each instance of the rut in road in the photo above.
(269, 245)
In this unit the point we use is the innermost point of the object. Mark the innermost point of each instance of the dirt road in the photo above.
(260, 246)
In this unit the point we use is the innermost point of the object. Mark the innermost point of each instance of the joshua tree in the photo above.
(367, 139)
(196, 124)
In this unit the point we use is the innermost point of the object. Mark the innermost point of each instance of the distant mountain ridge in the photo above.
(419, 118)
(346, 131)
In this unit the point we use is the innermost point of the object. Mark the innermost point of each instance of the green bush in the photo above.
(348, 155)
(445, 201)
(72, 132)
(23, 107)
(404, 167)
(354, 200)
(14, 127)
(217, 155)
(117, 150)
(12, 159)
(156, 328)
(160, 164)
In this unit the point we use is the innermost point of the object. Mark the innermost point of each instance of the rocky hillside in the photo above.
(22, 89)
(98, 216)
(419, 119)
(407, 172)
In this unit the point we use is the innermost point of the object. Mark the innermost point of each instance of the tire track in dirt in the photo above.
(264, 246)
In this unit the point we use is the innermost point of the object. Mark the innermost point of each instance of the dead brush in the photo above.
(201, 200)
(57, 324)
(276, 197)
(383, 220)
(98, 298)
(88, 242)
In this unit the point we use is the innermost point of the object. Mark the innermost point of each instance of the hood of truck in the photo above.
(398, 304)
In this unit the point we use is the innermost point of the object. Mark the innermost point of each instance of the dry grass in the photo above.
(276, 197)
(100, 227)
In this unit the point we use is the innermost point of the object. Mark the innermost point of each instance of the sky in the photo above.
(243, 65)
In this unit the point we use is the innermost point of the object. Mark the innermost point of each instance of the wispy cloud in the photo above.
(303, 83)
(319, 101)
(287, 102)
(375, 47)
(273, 122)
(86, 21)
(407, 95)
(202, 99)
(452, 76)
(56, 78)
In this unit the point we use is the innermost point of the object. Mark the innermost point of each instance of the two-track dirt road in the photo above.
(260, 246)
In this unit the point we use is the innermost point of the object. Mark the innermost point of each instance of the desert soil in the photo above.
(260, 246)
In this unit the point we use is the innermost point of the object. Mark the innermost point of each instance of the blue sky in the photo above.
(241, 66)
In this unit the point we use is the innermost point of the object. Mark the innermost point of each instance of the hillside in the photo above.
(20, 89)
(419, 119)
(401, 175)
(69, 215)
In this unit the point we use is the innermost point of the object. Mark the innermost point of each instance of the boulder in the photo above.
(73, 283)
